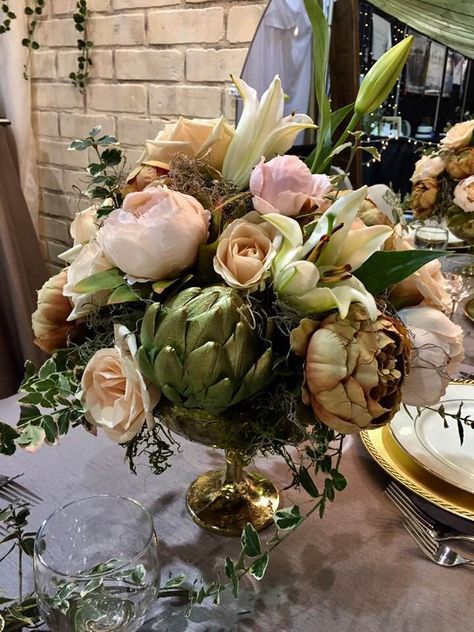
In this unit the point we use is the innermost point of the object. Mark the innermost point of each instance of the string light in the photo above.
(386, 141)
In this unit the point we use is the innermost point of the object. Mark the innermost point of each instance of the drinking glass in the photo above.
(96, 566)
(431, 234)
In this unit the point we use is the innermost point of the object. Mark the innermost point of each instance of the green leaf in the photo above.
(96, 168)
(31, 436)
(373, 151)
(339, 115)
(307, 482)
(7, 439)
(288, 517)
(259, 567)
(250, 541)
(106, 280)
(108, 140)
(95, 130)
(50, 427)
(329, 489)
(31, 398)
(111, 156)
(29, 11)
(47, 369)
(122, 294)
(232, 575)
(27, 546)
(91, 585)
(80, 145)
(174, 582)
(387, 267)
(339, 481)
(160, 286)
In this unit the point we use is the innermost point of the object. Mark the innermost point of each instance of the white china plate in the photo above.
(436, 448)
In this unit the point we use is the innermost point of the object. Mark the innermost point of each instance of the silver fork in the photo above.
(408, 508)
(11, 491)
(437, 552)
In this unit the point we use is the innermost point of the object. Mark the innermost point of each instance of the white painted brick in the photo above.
(54, 249)
(151, 65)
(68, 7)
(78, 125)
(58, 205)
(51, 178)
(197, 1)
(54, 228)
(123, 98)
(133, 156)
(53, 269)
(185, 100)
(184, 26)
(102, 64)
(137, 130)
(99, 5)
(230, 105)
(74, 179)
(214, 65)
(43, 64)
(242, 22)
(45, 123)
(57, 95)
(143, 4)
(117, 30)
(56, 153)
(57, 33)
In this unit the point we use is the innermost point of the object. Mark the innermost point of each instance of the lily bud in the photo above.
(379, 81)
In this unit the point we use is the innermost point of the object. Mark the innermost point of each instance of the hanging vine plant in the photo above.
(33, 12)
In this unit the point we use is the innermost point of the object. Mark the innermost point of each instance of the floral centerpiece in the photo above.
(443, 181)
(231, 294)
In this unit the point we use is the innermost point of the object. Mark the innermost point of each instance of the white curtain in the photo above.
(15, 105)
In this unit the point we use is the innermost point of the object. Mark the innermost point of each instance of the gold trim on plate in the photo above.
(396, 462)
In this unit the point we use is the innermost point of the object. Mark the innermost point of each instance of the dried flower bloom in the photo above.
(423, 198)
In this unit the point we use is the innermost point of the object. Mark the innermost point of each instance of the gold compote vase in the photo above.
(224, 500)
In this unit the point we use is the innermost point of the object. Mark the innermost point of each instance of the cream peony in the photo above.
(157, 237)
(460, 135)
(245, 252)
(285, 185)
(426, 286)
(49, 321)
(464, 195)
(208, 138)
(84, 226)
(89, 261)
(427, 167)
(436, 355)
(114, 393)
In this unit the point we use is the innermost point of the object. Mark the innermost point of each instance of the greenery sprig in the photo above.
(32, 13)
(81, 77)
(6, 17)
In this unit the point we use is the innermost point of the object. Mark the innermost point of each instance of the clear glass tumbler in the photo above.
(96, 566)
(432, 234)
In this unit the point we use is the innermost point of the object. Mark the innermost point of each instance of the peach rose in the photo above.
(427, 167)
(426, 286)
(423, 198)
(436, 355)
(460, 135)
(49, 321)
(156, 235)
(245, 252)
(285, 185)
(114, 393)
(464, 195)
(461, 164)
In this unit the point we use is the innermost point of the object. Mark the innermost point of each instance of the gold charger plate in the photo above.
(387, 453)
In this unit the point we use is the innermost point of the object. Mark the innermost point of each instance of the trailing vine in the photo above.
(80, 78)
(33, 12)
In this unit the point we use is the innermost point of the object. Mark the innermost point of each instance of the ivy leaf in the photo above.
(339, 481)
(174, 582)
(7, 439)
(385, 268)
(250, 541)
(27, 546)
(288, 517)
(107, 140)
(232, 575)
(307, 482)
(80, 145)
(111, 156)
(91, 585)
(95, 168)
(31, 437)
(106, 280)
(259, 567)
(47, 368)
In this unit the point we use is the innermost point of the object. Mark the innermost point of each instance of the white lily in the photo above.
(335, 249)
(262, 131)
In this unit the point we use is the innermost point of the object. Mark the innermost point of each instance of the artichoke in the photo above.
(201, 348)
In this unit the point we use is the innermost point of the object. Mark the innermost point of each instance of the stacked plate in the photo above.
(419, 451)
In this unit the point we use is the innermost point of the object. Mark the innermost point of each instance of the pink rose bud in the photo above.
(285, 185)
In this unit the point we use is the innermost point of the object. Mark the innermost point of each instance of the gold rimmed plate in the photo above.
(395, 461)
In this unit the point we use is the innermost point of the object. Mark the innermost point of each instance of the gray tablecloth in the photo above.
(356, 570)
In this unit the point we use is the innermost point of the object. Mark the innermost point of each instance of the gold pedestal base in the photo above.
(224, 504)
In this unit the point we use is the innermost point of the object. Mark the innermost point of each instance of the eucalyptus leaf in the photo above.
(385, 268)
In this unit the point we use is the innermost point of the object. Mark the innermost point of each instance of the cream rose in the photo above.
(49, 321)
(461, 164)
(203, 138)
(285, 185)
(114, 393)
(156, 235)
(245, 252)
(436, 355)
(89, 261)
(427, 167)
(460, 135)
(84, 225)
(464, 195)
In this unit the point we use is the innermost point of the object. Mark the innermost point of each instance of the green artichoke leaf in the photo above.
(240, 350)
(172, 331)
(216, 398)
(256, 378)
(167, 368)
(205, 327)
(207, 364)
(145, 365)
(172, 394)
(147, 333)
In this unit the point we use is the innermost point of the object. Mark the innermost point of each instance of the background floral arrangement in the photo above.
(230, 293)
(443, 181)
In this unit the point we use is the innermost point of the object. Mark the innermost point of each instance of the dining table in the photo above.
(354, 570)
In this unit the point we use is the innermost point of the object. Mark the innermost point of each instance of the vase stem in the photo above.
(234, 470)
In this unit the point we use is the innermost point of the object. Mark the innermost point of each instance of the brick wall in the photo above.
(152, 60)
